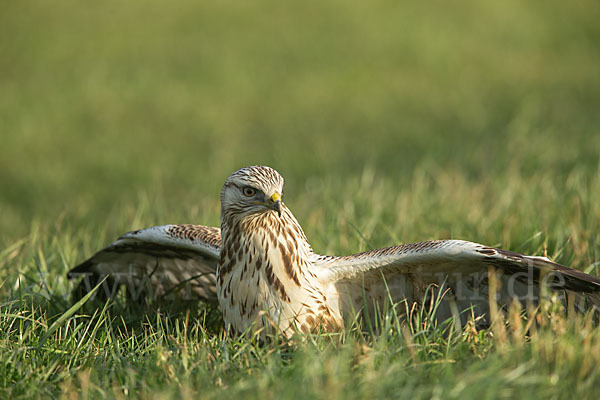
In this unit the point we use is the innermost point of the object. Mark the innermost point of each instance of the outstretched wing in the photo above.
(156, 262)
(460, 268)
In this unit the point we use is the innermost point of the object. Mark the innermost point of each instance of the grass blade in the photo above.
(69, 313)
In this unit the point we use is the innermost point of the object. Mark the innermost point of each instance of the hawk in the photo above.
(264, 273)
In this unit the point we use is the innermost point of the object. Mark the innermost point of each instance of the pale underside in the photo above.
(324, 292)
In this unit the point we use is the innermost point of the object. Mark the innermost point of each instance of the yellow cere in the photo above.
(276, 197)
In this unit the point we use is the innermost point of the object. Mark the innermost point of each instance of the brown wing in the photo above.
(155, 262)
(460, 269)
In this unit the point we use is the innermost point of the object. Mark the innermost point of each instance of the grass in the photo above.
(391, 122)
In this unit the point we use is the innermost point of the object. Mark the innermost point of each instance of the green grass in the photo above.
(391, 122)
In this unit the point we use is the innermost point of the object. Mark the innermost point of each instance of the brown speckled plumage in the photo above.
(265, 275)
(207, 234)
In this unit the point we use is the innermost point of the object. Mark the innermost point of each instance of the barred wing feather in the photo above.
(157, 261)
(458, 268)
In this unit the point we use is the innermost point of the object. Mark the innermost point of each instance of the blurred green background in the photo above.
(147, 106)
(391, 121)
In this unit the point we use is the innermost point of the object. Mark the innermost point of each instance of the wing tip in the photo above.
(574, 278)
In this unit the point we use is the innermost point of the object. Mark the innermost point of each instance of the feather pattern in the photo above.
(155, 261)
(264, 273)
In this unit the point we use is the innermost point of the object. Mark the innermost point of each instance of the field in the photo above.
(391, 122)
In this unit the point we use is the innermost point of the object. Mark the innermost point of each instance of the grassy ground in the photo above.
(391, 122)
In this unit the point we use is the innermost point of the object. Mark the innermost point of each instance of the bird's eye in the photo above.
(248, 191)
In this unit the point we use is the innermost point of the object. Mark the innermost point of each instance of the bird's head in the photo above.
(252, 190)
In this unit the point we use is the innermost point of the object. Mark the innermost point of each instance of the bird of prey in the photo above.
(264, 273)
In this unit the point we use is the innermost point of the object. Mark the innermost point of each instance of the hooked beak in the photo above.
(276, 203)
